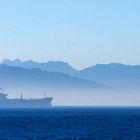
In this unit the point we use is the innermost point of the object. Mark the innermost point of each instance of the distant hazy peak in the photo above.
(31, 61)
(54, 66)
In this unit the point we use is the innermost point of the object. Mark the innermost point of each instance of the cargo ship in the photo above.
(45, 102)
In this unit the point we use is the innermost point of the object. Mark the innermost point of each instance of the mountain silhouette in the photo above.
(117, 75)
(53, 66)
(17, 77)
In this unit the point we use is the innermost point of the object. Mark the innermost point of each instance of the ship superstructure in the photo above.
(24, 103)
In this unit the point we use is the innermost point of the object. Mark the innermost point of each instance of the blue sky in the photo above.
(81, 32)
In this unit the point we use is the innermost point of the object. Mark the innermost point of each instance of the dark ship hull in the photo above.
(26, 103)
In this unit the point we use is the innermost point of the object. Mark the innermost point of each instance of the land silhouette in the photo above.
(63, 80)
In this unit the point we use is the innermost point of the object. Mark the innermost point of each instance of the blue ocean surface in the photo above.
(69, 123)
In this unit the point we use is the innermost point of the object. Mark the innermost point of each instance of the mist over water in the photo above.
(79, 97)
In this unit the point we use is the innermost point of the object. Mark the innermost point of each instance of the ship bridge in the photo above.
(3, 96)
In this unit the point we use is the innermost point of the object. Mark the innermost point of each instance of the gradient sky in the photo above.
(81, 32)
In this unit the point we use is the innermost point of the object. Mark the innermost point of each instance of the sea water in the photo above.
(70, 123)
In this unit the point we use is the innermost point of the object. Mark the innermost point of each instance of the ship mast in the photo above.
(45, 95)
(21, 96)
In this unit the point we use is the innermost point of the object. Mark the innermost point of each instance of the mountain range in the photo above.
(116, 75)
(53, 66)
(21, 76)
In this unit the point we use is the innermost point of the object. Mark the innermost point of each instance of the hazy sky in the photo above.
(81, 32)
